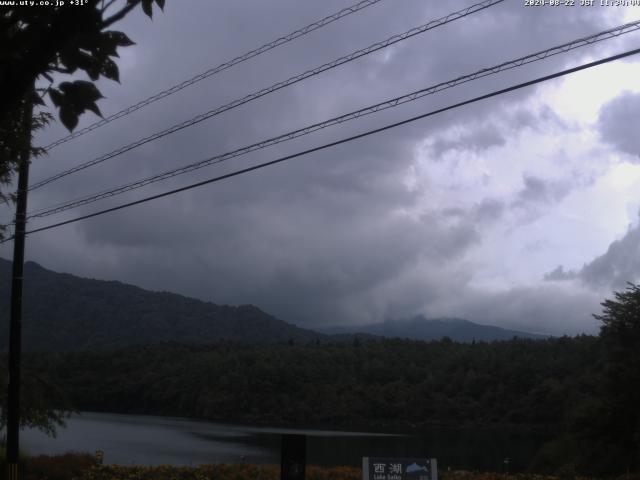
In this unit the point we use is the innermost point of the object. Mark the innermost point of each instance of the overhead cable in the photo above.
(338, 142)
(213, 71)
(391, 103)
(277, 86)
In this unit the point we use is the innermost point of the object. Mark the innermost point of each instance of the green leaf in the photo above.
(147, 8)
(90, 64)
(69, 118)
(110, 70)
(81, 91)
(105, 46)
(69, 58)
(56, 97)
(73, 99)
(94, 108)
(121, 39)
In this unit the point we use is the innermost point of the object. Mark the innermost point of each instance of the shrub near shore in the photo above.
(272, 472)
(74, 466)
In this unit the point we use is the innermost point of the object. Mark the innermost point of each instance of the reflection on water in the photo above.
(131, 439)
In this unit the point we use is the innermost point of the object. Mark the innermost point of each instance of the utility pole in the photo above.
(15, 325)
(293, 457)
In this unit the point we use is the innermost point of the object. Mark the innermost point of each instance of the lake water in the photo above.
(149, 440)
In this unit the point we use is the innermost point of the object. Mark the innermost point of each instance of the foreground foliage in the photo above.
(618, 411)
(84, 467)
(217, 472)
(390, 383)
(41, 44)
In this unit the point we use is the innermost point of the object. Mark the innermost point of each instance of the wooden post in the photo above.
(293, 457)
(15, 325)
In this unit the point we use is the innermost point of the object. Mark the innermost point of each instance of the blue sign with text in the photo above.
(381, 468)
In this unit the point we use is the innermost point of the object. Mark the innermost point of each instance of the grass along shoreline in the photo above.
(79, 466)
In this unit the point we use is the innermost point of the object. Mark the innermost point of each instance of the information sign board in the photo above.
(383, 468)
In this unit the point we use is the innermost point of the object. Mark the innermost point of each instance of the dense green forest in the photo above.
(107, 315)
(570, 387)
(426, 329)
(380, 383)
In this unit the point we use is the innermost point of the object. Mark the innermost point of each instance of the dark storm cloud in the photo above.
(611, 270)
(618, 122)
(351, 86)
(477, 135)
(332, 237)
(308, 263)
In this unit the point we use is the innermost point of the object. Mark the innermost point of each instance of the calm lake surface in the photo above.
(149, 440)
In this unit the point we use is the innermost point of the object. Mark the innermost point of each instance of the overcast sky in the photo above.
(520, 211)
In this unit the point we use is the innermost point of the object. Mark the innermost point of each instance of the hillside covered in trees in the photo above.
(65, 312)
(570, 388)
(422, 328)
(398, 383)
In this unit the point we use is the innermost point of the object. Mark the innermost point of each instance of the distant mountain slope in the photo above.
(420, 328)
(65, 312)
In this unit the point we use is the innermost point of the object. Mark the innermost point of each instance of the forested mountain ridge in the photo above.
(65, 312)
(421, 328)
(386, 383)
(556, 386)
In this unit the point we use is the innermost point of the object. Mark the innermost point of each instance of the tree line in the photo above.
(585, 389)
(387, 385)
(381, 383)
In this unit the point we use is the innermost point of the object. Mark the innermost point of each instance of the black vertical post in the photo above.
(293, 457)
(15, 325)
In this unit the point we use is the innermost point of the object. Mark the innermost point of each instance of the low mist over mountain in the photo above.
(420, 328)
(65, 312)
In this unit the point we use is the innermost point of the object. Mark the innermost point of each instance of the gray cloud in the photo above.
(537, 197)
(545, 308)
(540, 191)
(619, 265)
(611, 270)
(618, 124)
(559, 273)
(478, 139)
(485, 212)
(336, 236)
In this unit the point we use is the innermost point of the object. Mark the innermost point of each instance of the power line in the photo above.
(215, 70)
(604, 35)
(338, 142)
(277, 86)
